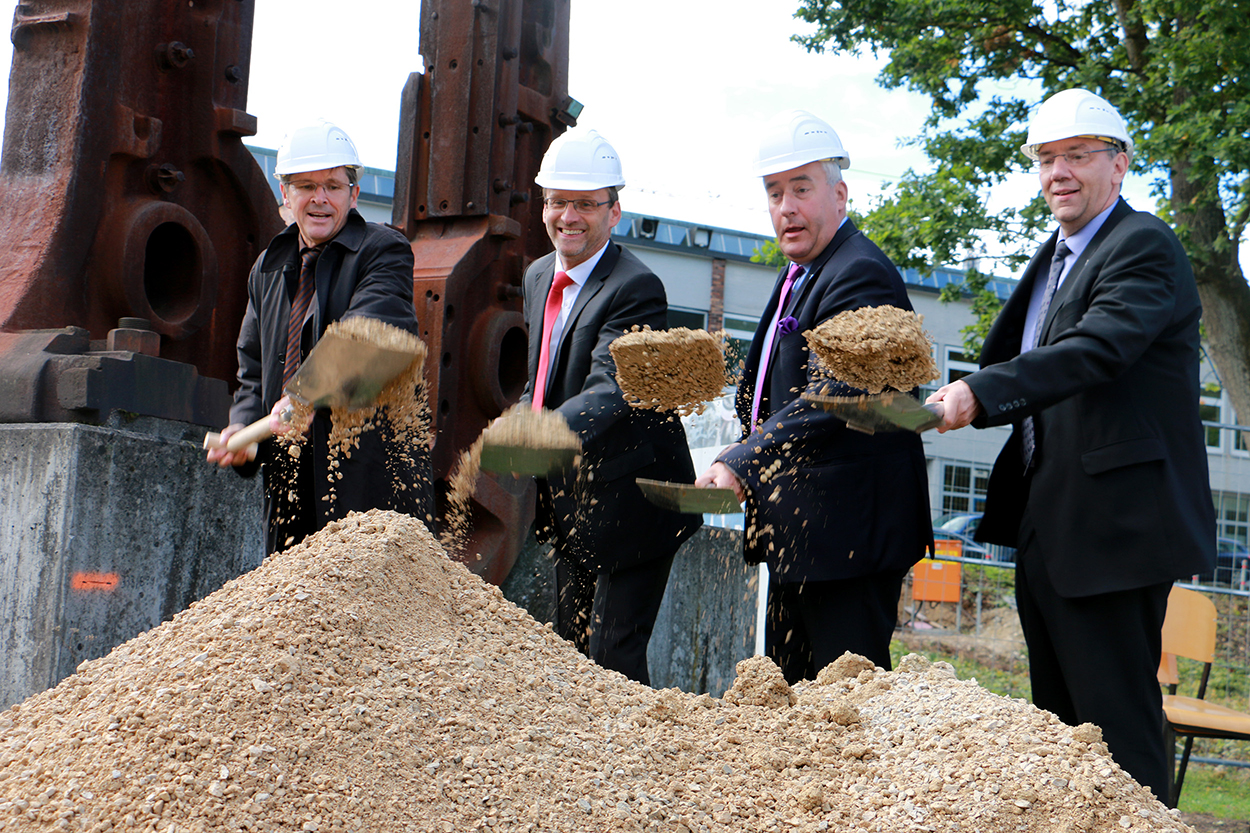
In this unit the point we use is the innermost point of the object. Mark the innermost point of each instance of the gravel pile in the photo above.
(361, 681)
(874, 348)
(670, 370)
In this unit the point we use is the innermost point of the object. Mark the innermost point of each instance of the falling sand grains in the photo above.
(670, 370)
(401, 406)
(461, 487)
(362, 681)
(874, 348)
(519, 427)
(522, 427)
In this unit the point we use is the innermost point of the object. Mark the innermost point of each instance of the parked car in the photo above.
(1232, 565)
(965, 523)
(971, 548)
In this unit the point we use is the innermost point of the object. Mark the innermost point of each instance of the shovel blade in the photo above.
(686, 497)
(884, 412)
(345, 373)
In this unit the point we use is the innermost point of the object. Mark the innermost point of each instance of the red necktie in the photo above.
(762, 375)
(550, 313)
(299, 310)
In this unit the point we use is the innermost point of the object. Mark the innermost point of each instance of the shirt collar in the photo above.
(1079, 241)
(581, 272)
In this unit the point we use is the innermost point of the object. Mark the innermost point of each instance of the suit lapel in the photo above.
(814, 268)
(534, 314)
(1075, 274)
(592, 286)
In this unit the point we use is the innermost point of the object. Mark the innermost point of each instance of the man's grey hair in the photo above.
(833, 171)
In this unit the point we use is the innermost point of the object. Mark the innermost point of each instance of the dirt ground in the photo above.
(1207, 823)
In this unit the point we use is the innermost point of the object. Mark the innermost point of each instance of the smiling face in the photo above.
(578, 235)
(806, 210)
(1077, 195)
(320, 202)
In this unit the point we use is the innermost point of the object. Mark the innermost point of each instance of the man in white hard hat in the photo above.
(613, 549)
(839, 516)
(1103, 485)
(329, 264)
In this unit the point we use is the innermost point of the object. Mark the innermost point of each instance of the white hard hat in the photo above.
(1075, 112)
(580, 161)
(317, 147)
(794, 138)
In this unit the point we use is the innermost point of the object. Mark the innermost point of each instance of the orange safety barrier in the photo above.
(936, 581)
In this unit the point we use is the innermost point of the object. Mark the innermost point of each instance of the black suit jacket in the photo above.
(827, 502)
(1120, 493)
(601, 516)
(365, 270)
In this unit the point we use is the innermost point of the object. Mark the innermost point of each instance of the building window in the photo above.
(1232, 515)
(690, 319)
(959, 365)
(963, 488)
(1210, 409)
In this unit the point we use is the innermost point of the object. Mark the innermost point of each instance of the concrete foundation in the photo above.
(106, 532)
(707, 619)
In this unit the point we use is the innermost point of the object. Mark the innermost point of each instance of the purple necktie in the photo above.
(762, 376)
(1028, 437)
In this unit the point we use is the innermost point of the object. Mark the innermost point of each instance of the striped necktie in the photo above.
(1029, 430)
(299, 311)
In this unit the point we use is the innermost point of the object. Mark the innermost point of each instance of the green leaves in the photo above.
(1178, 71)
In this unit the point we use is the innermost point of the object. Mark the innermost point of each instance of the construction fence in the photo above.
(963, 610)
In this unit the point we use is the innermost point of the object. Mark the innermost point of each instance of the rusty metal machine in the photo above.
(473, 129)
(126, 192)
(130, 213)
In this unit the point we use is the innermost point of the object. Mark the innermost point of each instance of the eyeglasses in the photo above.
(580, 206)
(331, 187)
(1076, 158)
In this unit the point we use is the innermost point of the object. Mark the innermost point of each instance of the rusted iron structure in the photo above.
(130, 213)
(126, 192)
(473, 129)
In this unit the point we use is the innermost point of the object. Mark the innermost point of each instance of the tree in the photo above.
(1177, 70)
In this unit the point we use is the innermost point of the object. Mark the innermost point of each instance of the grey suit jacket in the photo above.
(1120, 493)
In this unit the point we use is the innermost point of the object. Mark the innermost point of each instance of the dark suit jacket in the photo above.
(601, 515)
(1120, 493)
(365, 270)
(827, 502)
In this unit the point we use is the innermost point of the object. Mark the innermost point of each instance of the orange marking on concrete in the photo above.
(94, 581)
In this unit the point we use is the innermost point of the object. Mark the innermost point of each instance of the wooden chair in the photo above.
(1189, 631)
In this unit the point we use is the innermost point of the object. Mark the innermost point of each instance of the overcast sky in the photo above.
(679, 87)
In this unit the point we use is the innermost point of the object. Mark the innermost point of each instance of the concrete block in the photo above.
(706, 623)
(105, 533)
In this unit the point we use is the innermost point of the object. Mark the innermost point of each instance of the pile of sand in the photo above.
(874, 348)
(670, 370)
(362, 681)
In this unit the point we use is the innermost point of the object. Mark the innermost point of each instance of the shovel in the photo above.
(890, 411)
(686, 497)
(340, 372)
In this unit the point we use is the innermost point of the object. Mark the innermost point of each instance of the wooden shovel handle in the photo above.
(241, 439)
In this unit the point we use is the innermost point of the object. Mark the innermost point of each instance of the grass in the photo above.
(1222, 791)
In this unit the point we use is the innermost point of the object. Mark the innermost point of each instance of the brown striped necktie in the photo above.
(299, 311)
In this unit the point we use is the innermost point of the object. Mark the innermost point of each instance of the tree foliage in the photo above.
(1176, 70)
